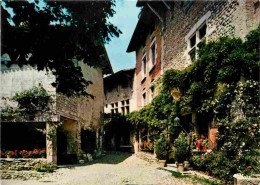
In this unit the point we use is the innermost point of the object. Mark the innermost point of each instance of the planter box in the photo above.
(242, 180)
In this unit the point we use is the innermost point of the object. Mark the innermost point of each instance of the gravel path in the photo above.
(109, 170)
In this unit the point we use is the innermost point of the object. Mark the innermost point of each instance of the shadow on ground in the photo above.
(109, 158)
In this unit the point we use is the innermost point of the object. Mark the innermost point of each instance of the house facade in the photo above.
(75, 122)
(179, 28)
(118, 92)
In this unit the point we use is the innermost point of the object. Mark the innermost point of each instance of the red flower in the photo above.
(37, 152)
(200, 142)
(15, 151)
(197, 141)
(9, 155)
(204, 148)
(26, 156)
(249, 167)
(44, 150)
(202, 137)
(23, 152)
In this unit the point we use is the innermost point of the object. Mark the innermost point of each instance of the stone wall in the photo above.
(118, 87)
(21, 163)
(20, 168)
(86, 111)
(18, 79)
(227, 18)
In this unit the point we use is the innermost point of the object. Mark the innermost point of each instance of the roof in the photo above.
(146, 22)
(107, 68)
(121, 72)
(144, 25)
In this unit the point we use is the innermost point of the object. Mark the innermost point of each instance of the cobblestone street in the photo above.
(111, 169)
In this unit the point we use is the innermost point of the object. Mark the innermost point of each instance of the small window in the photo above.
(153, 52)
(144, 99)
(127, 102)
(192, 54)
(123, 110)
(122, 103)
(116, 104)
(144, 65)
(152, 93)
(127, 110)
(193, 41)
(202, 31)
(112, 105)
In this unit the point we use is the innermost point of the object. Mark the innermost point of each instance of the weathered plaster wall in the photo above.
(18, 79)
(227, 18)
(140, 85)
(86, 111)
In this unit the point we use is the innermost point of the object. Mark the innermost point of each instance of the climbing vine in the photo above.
(29, 103)
(224, 84)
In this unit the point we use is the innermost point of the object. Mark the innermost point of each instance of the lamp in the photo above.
(5, 58)
(176, 122)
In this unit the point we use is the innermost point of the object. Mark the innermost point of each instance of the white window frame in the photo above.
(195, 31)
(144, 99)
(153, 43)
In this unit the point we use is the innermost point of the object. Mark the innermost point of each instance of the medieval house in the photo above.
(118, 101)
(168, 36)
(75, 122)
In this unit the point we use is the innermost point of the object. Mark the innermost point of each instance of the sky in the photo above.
(125, 19)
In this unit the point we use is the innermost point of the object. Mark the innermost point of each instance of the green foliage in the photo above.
(224, 84)
(39, 37)
(46, 167)
(162, 148)
(181, 148)
(30, 102)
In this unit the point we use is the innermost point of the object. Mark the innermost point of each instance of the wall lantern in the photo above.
(176, 122)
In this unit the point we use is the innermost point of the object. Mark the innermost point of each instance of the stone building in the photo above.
(118, 101)
(118, 92)
(78, 119)
(178, 28)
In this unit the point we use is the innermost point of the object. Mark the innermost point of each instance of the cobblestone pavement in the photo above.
(109, 170)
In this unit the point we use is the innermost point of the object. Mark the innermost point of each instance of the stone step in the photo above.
(171, 165)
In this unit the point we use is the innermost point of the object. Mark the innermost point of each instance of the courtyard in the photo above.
(114, 168)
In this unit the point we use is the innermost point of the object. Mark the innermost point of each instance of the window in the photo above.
(152, 53)
(144, 99)
(195, 36)
(106, 105)
(144, 65)
(151, 93)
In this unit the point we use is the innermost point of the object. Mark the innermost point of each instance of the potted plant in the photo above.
(181, 151)
(162, 150)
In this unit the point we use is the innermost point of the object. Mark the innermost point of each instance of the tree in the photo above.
(52, 34)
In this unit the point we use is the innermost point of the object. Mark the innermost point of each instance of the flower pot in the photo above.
(186, 164)
(162, 163)
(180, 167)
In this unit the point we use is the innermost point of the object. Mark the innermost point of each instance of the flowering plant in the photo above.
(146, 145)
(200, 142)
(35, 153)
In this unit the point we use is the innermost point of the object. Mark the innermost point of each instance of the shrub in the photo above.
(181, 148)
(46, 167)
(162, 148)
